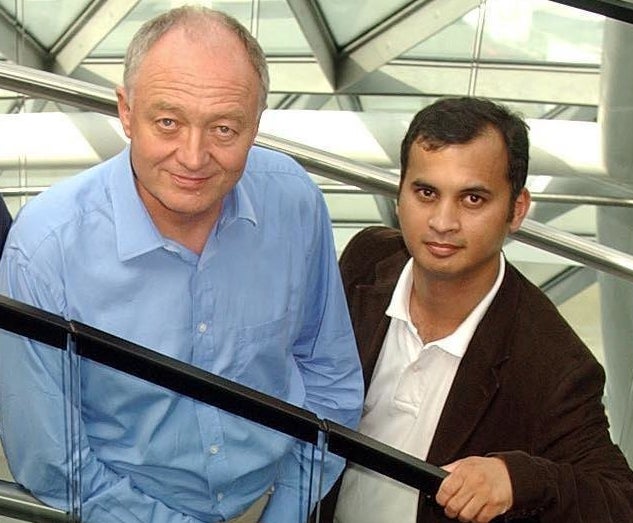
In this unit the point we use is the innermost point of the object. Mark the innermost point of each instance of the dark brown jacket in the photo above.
(527, 389)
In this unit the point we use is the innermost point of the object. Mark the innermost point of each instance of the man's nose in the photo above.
(444, 217)
(192, 152)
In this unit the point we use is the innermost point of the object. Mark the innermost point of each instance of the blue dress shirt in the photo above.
(261, 305)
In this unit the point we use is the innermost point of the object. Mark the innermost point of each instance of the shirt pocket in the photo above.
(265, 361)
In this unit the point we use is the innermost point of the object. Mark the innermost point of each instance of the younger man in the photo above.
(468, 365)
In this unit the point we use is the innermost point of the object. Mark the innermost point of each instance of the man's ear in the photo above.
(521, 208)
(123, 106)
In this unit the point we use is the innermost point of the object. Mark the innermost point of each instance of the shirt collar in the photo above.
(136, 233)
(237, 205)
(457, 342)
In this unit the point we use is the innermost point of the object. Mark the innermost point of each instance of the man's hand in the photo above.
(477, 489)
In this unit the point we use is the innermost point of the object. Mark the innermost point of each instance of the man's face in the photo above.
(454, 208)
(191, 118)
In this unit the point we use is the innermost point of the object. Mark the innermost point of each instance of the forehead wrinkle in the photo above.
(186, 82)
(178, 97)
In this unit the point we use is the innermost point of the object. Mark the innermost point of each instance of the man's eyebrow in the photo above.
(478, 189)
(421, 184)
(161, 105)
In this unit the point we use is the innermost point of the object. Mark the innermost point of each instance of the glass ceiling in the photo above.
(361, 55)
(346, 75)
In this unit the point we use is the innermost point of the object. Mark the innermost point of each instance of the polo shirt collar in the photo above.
(457, 342)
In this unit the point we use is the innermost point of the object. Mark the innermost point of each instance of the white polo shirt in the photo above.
(404, 402)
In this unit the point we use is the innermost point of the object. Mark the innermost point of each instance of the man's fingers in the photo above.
(476, 490)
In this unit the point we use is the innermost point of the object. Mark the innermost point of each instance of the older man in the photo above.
(196, 244)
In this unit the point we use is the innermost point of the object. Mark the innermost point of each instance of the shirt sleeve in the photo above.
(36, 410)
(329, 365)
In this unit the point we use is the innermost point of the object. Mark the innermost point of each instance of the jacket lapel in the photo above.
(476, 381)
(368, 305)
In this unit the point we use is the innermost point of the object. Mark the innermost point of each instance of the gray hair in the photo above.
(152, 30)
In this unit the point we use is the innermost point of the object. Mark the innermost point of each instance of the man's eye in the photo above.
(224, 130)
(426, 193)
(474, 200)
(167, 123)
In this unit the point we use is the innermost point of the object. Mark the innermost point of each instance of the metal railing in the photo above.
(367, 177)
(380, 181)
(54, 331)
(16, 503)
(203, 386)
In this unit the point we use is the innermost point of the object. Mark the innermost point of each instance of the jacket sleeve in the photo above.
(579, 475)
(36, 410)
(5, 223)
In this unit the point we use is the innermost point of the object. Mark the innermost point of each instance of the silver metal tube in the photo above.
(580, 199)
(57, 88)
(15, 502)
(22, 191)
(367, 177)
(380, 181)
(575, 248)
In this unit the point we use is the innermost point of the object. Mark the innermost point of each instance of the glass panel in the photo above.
(454, 42)
(405, 104)
(348, 20)
(278, 31)
(115, 44)
(196, 459)
(541, 31)
(520, 30)
(45, 23)
(138, 450)
(28, 177)
(14, 203)
(38, 388)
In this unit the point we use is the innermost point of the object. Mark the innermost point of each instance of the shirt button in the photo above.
(214, 449)
(202, 327)
(220, 496)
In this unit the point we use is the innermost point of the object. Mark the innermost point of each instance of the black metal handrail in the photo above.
(195, 383)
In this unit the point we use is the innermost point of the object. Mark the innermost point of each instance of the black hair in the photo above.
(460, 120)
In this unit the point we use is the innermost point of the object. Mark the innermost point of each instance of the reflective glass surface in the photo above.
(19, 422)
(521, 31)
(348, 20)
(85, 448)
(45, 20)
(278, 32)
(115, 44)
